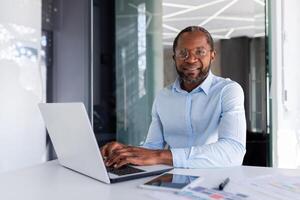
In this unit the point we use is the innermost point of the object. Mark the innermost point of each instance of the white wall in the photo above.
(22, 133)
(285, 89)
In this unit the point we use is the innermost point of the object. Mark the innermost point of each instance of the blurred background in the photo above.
(114, 56)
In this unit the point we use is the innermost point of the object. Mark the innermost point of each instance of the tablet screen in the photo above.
(174, 181)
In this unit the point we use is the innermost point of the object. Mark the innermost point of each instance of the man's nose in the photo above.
(191, 58)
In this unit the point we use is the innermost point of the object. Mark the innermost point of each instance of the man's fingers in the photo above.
(123, 162)
(117, 156)
(122, 157)
(122, 150)
(109, 148)
(134, 160)
(103, 151)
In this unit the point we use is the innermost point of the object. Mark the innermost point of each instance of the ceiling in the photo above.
(222, 18)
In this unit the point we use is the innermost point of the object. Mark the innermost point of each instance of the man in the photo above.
(200, 116)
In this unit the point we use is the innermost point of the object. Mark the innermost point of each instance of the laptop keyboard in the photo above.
(124, 170)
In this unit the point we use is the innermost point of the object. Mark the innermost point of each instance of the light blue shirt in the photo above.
(203, 128)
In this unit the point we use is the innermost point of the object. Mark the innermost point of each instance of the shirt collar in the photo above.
(205, 86)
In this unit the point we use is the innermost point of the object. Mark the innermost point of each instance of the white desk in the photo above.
(51, 181)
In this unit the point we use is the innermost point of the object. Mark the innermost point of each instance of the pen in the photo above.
(224, 183)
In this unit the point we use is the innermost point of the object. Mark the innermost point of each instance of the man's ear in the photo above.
(213, 55)
(173, 58)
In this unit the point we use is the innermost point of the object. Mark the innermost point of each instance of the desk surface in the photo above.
(51, 181)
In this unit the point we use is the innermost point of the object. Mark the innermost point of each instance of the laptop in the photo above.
(76, 147)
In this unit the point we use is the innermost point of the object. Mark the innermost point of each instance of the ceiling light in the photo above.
(218, 12)
(229, 33)
(229, 18)
(175, 5)
(192, 9)
(170, 28)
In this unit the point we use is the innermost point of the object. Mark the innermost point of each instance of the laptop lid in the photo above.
(73, 138)
(75, 144)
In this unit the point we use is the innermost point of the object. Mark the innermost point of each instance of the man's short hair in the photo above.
(210, 40)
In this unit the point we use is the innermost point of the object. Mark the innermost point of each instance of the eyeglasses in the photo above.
(183, 54)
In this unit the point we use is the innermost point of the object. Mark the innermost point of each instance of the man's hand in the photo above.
(109, 148)
(118, 155)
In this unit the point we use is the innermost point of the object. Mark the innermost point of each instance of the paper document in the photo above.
(275, 186)
(268, 187)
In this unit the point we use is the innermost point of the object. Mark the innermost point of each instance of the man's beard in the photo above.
(203, 73)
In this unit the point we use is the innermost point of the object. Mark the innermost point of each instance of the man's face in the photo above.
(193, 56)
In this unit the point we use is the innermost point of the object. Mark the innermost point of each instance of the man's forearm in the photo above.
(223, 153)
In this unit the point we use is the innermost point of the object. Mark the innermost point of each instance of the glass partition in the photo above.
(139, 66)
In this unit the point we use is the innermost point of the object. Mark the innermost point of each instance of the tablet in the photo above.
(168, 181)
